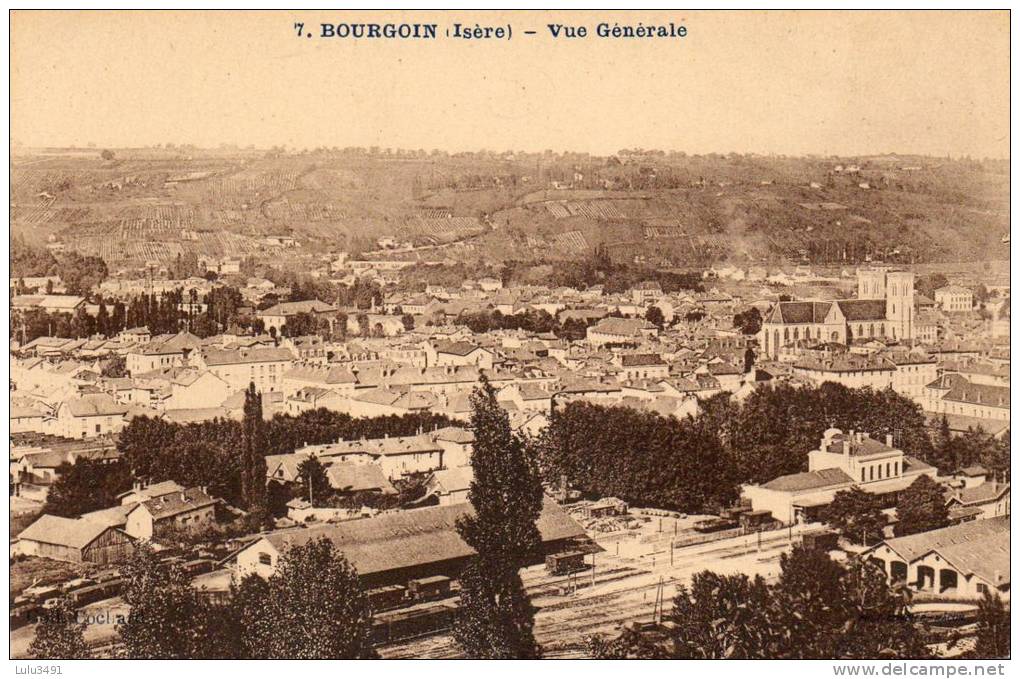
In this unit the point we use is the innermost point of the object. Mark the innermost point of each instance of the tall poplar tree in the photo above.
(496, 618)
(253, 446)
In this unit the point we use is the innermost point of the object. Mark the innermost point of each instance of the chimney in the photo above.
(184, 496)
(888, 440)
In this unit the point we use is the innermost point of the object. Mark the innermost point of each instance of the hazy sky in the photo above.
(782, 82)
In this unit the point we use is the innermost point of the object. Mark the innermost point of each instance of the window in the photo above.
(265, 559)
(863, 471)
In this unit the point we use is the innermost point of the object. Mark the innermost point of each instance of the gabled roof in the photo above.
(822, 478)
(857, 310)
(456, 348)
(796, 313)
(414, 537)
(913, 547)
(58, 530)
(311, 306)
(173, 504)
(242, 356)
(95, 405)
(352, 477)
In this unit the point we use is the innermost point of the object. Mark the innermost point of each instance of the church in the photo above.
(883, 309)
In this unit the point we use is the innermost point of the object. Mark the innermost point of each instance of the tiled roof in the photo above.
(795, 313)
(57, 530)
(912, 547)
(821, 478)
(413, 537)
(862, 309)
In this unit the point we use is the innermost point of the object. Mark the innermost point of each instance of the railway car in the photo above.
(24, 614)
(426, 589)
(714, 525)
(98, 592)
(199, 566)
(400, 625)
(385, 598)
(564, 563)
(755, 519)
(825, 540)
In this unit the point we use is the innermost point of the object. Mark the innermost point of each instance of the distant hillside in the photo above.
(661, 209)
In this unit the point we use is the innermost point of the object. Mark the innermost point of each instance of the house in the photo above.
(53, 304)
(457, 443)
(457, 354)
(392, 548)
(643, 366)
(189, 509)
(450, 486)
(73, 540)
(620, 332)
(140, 491)
(89, 416)
(398, 455)
(162, 351)
(265, 366)
(980, 500)
(27, 418)
(850, 370)
(646, 291)
(336, 378)
(842, 461)
(954, 298)
(961, 561)
(954, 394)
(276, 316)
(358, 477)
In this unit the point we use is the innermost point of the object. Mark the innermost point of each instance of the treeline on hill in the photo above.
(698, 463)
(79, 273)
(209, 453)
(600, 269)
(224, 310)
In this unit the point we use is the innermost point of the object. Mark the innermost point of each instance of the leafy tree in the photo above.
(107, 154)
(312, 607)
(857, 515)
(248, 600)
(115, 366)
(630, 645)
(60, 635)
(921, 507)
(408, 322)
(722, 616)
(166, 610)
(81, 273)
(86, 486)
(654, 316)
(496, 618)
(993, 633)
(314, 485)
(748, 321)
(928, 284)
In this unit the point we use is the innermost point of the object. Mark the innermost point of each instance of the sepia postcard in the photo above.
(510, 335)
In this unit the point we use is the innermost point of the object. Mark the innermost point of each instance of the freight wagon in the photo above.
(93, 593)
(385, 598)
(400, 625)
(425, 589)
(564, 563)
